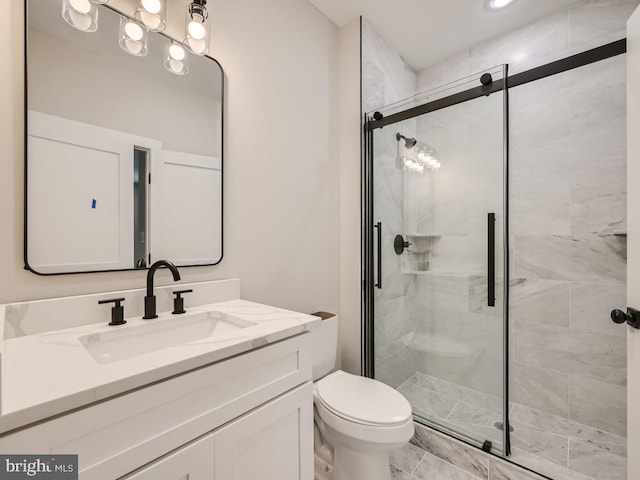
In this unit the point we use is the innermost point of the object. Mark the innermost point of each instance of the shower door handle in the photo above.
(491, 260)
(378, 226)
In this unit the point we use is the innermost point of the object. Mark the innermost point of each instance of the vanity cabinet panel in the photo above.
(117, 436)
(274, 442)
(192, 462)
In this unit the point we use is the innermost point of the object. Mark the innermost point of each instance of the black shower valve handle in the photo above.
(399, 244)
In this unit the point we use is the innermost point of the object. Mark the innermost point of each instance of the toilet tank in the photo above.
(324, 340)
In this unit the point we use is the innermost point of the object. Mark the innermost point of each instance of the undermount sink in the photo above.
(154, 335)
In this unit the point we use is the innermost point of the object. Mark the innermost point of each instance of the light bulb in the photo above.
(133, 31)
(496, 4)
(81, 6)
(196, 30)
(151, 6)
(176, 52)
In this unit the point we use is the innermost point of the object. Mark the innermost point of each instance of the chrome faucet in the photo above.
(150, 299)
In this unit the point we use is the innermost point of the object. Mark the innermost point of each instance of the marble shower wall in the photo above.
(386, 79)
(568, 212)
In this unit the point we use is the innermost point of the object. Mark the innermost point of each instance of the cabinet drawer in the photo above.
(117, 436)
(192, 462)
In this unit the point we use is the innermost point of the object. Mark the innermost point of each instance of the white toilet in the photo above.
(359, 421)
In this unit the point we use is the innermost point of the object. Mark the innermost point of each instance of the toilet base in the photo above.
(352, 465)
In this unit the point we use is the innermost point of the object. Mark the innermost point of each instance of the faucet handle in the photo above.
(117, 311)
(178, 302)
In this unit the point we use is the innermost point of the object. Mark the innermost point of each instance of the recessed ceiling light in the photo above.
(497, 4)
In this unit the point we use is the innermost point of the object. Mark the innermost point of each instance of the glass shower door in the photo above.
(436, 222)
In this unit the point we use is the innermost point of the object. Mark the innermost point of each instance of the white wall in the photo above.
(350, 197)
(281, 158)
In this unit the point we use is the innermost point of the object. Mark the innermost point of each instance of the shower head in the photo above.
(409, 143)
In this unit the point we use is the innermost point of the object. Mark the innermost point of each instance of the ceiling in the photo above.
(426, 32)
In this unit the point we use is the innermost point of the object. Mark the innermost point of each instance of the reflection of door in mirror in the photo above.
(140, 180)
(124, 159)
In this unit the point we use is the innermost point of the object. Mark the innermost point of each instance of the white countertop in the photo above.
(50, 373)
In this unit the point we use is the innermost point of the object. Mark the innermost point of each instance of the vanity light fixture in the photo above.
(152, 13)
(133, 37)
(81, 14)
(498, 4)
(175, 61)
(197, 28)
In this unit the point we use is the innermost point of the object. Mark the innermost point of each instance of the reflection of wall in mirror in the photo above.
(61, 84)
(81, 201)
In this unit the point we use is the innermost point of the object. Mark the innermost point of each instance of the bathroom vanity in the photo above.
(223, 391)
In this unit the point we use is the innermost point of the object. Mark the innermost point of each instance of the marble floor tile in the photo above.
(598, 460)
(545, 467)
(476, 422)
(581, 258)
(557, 447)
(464, 394)
(407, 458)
(398, 474)
(432, 467)
(427, 402)
(503, 471)
(451, 451)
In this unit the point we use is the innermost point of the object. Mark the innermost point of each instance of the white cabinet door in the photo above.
(274, 442)
(192, 462)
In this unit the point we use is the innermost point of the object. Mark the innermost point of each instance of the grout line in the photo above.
(446, 419)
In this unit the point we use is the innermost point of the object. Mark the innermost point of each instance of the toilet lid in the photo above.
(363, 400)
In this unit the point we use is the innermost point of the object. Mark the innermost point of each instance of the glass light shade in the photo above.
(81, 14)
(133, 37)
(100, 2)
(197, 29)
(152, 14)
(175, 61)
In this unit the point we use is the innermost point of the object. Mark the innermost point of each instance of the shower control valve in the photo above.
(631, 317)
(399, 244)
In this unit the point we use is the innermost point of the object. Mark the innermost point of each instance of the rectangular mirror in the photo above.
(123, 155)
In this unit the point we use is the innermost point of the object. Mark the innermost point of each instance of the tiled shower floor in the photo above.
(548, 444)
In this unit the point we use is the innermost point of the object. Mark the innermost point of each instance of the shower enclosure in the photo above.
(439, 216)
(491, 258)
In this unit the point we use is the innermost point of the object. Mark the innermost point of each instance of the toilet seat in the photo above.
(362, 400)
(384, 419)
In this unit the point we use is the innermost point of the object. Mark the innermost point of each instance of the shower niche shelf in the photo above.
(423, 235)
